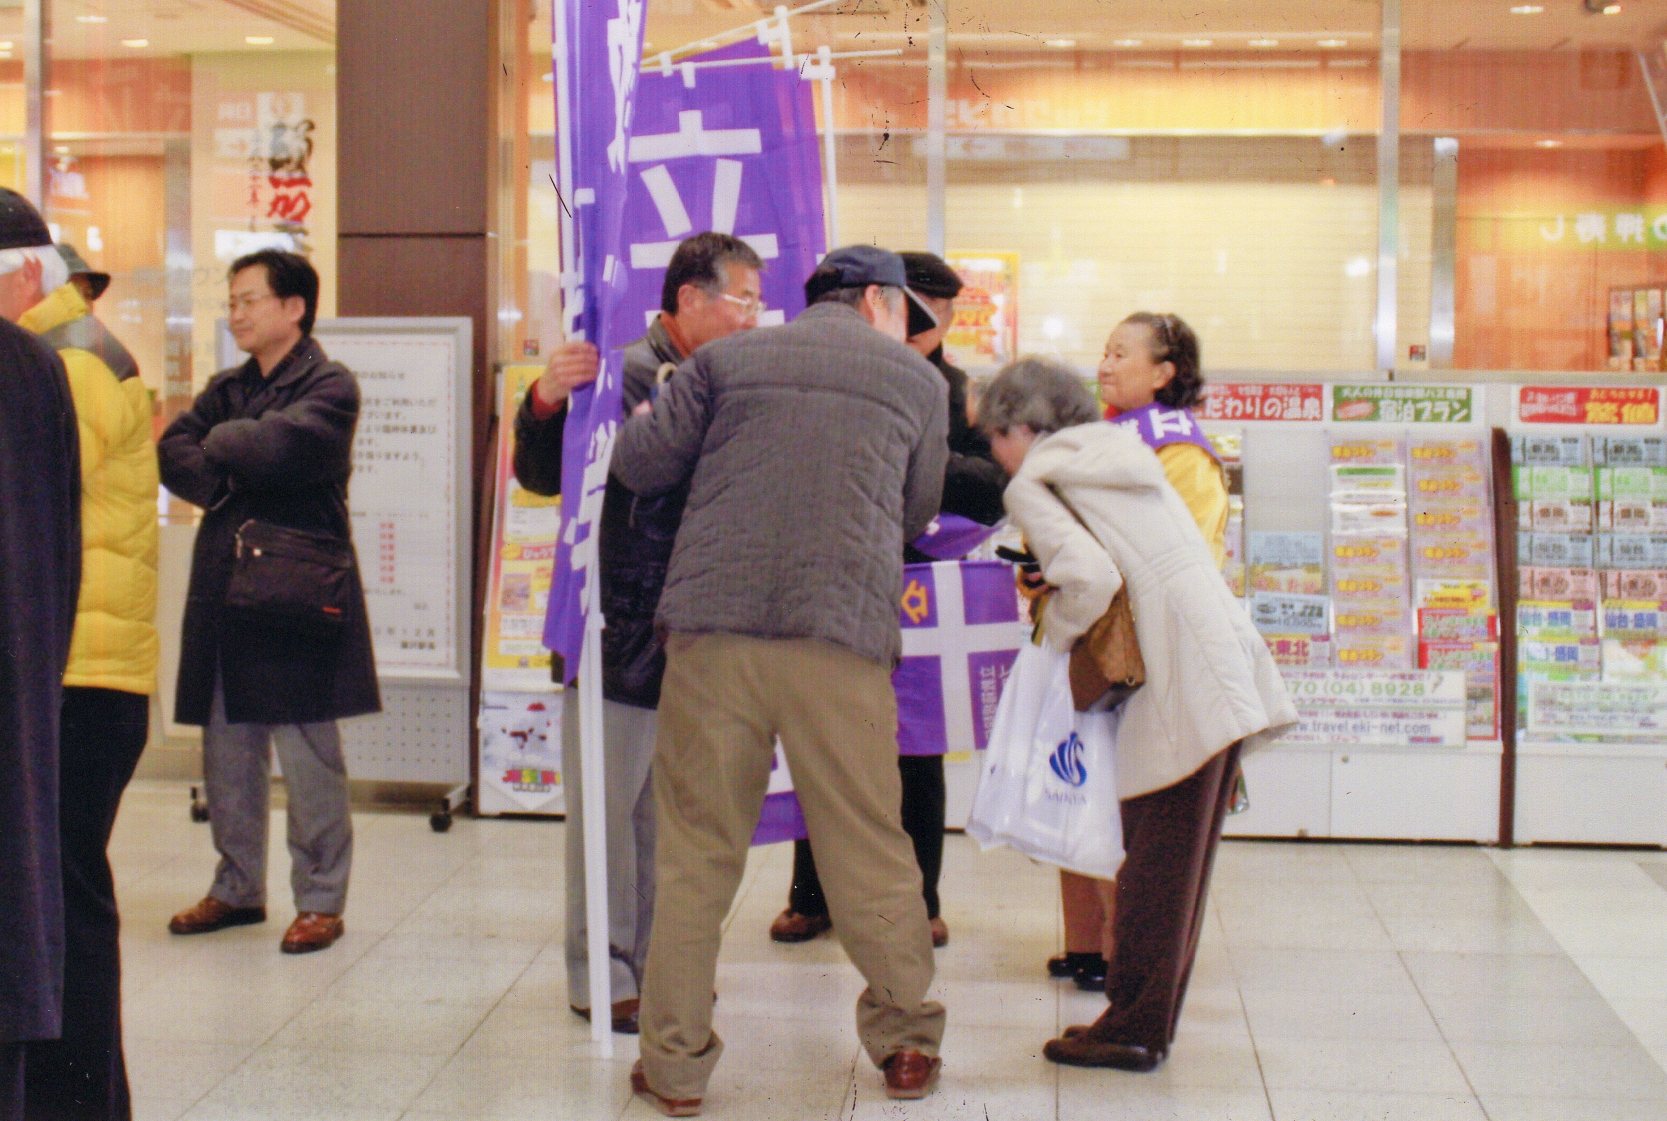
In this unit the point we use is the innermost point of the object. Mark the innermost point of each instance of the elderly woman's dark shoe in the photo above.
(1081, 1048)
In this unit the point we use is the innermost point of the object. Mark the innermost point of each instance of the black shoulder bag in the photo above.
(293, 580)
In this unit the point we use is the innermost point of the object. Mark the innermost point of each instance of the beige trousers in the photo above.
(725, 700)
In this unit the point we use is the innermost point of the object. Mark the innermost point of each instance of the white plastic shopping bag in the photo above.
(1049, 783)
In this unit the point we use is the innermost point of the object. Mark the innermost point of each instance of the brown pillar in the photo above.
(417, 104)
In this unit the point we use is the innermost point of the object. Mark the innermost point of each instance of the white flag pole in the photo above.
(591, 763)
(823, 71)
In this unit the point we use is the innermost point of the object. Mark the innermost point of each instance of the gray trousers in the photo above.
(628, 742)
(237, 769)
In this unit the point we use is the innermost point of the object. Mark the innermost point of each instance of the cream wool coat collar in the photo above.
(1210, 681)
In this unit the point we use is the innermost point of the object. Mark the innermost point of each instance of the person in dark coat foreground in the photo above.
(972, 487)
(40, 580)
(270, 441)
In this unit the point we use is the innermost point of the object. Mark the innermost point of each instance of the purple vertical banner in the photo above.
(603, 50)
(731, 149)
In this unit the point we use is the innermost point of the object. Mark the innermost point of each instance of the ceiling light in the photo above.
(549, 77)
(1611, 9)
(259, 40)
(1126, 42)
(1548, 143)
(62, 149)
(6, 46)
(1197, 42)
(1264, 42)
(135, 43)
(1062, 43)
(1334, 42)
(1527, 10)
(92, 19)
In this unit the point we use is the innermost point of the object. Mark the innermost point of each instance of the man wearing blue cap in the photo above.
(812, 452)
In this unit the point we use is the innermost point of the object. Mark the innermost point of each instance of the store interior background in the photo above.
(1220, 160)
(1217, 159)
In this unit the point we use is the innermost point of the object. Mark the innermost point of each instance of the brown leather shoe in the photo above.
(1081, 1047)
(210, 915)
(671, 1107)
(910, 1075)
(940, 934)
(624, 1015)
(790, 926)
(312, 931)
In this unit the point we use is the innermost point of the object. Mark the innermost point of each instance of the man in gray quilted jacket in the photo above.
(812, 452)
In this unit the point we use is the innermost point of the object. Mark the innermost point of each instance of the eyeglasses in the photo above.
(749, 305)
(237, 303)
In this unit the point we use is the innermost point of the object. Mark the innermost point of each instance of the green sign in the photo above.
(1403, 404)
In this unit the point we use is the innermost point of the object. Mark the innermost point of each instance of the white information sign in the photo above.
(1592, 708)
(404, 497)
(1377, 708)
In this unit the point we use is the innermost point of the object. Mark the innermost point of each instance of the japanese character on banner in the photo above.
(734, 152)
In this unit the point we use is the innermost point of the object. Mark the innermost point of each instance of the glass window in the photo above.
(178, 139)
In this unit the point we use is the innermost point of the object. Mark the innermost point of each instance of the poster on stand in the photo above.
(520, 749)
(1596, 405)
(985, 331)
(524, 528)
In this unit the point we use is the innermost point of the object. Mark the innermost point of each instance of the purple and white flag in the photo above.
(603, 50)
(731, 149)
(962, 628)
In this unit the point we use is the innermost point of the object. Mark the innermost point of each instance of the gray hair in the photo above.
(853, 297)
(1038, 393)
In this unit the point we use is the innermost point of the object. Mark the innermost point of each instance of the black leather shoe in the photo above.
(1090, 975)
(1067, 964)
(1083, 1050)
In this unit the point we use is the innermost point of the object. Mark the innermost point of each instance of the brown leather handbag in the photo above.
(1106, 659)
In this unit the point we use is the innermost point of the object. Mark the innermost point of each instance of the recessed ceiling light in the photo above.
(1527, 10)
(1264, 42)
(1126, 42)
(1548, 143)
(1334, 42)
(135, 43)
(1198, 42)
(92, 19)
(259, 40)
(549, 77)
(1611, 9)
(1062, 43)
(62, 149)
(6, 46)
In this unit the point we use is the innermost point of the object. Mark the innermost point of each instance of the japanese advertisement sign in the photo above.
(1255, 401)
(735, 151)
(1404, 404)
(986, 327)
(603, 48)
(1594, 228)
(1568, 404)
(1384, 708)
(524, 528)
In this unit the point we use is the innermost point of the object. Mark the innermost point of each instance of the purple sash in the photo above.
(1159, 426)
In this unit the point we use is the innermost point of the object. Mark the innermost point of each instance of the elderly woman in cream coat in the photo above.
(1095, 506)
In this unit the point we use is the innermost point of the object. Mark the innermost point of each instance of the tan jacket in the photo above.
(1210, 681)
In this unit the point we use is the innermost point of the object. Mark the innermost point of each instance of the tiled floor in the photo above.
(1336, 983)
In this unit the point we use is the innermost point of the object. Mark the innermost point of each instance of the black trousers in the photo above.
(11, 1081)
(923, 814)
(1170, 837)
(83, 1074)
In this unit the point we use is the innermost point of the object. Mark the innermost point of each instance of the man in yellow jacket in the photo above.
(112, 672)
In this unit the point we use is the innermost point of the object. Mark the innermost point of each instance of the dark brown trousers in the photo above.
(1170, 838)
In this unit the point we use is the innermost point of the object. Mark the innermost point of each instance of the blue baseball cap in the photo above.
(858, 266)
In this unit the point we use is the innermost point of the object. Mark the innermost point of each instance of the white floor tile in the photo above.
(1332, 1105)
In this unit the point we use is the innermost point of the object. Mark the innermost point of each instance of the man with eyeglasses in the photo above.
(267, 448)
(711, 291)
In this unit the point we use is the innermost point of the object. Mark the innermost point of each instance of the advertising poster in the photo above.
(1256, 401)
(986, 327)
(524, 527)
(1567, 404)
(1408, 708)
(1404, 404)
(520, 749)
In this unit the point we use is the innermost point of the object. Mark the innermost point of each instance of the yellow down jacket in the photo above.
(115, 643)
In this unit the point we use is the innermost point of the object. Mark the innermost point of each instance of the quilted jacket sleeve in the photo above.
(657, 451)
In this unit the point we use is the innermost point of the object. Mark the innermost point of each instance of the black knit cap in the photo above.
(21, 225)
(930, 275)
